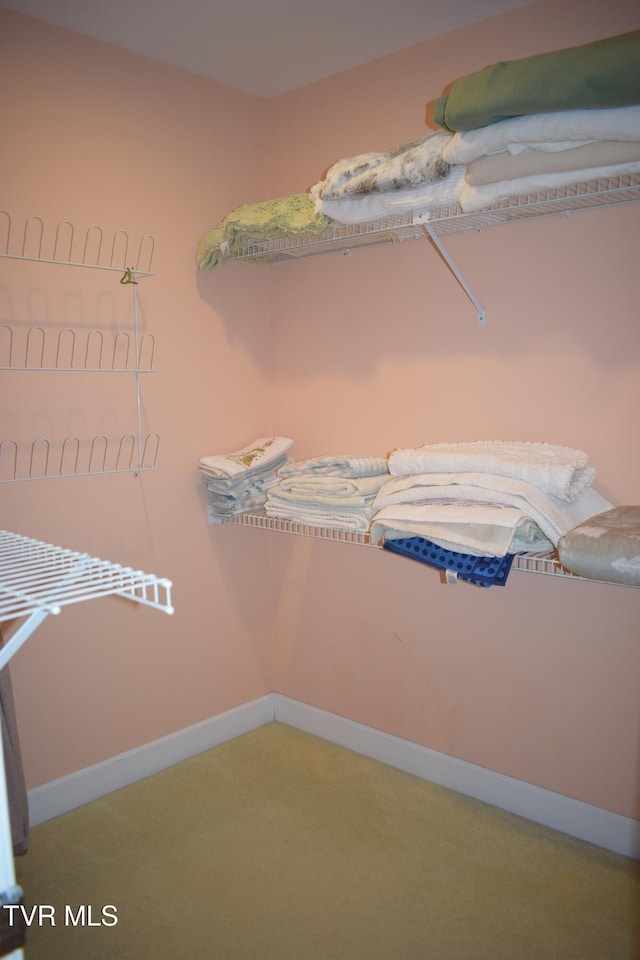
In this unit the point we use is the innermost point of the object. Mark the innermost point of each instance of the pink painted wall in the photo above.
(381, 349)
(355, 354)
(96, 135)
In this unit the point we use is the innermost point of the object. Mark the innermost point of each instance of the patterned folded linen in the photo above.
(481, 571)
(605, 547)
(560, 471)
(422, 201)
(545, 131)
(335, 465)
(255, 456)
(409, 165)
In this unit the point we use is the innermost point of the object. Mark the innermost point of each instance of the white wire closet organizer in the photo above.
(448, 219)
(38, 579)
(540, 562)
(37, 348)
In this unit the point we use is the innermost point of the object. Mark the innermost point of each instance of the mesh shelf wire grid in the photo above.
(542, 562)
(448, 219)
(39, 576)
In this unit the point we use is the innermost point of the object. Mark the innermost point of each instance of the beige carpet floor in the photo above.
(280, 845)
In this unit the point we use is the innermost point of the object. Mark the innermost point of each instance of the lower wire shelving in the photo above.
(539, 562)
(38, 579)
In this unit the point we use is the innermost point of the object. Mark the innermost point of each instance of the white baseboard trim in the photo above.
(573, 817)
(67, 793)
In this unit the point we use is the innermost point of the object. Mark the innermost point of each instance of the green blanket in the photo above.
(288, 216)
(605, 73)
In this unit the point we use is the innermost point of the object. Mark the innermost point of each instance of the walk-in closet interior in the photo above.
(140, 342)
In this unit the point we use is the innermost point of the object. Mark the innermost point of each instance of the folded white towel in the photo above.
(560, 471)
(478, 530)
(335, 465)
(255, 456)
(565, 126)
(356, 521)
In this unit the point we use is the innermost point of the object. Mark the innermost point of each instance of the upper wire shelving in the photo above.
(436, 221)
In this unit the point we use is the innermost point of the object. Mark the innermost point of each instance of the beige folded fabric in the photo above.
(505, 166)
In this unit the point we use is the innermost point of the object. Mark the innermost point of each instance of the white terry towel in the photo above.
(421, 201)
(356, 521)
(255, 456)
(556, 470)
(335, 465)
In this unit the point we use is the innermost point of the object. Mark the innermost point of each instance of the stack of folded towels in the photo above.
(487, 499)
(336, 492)
(238, 482)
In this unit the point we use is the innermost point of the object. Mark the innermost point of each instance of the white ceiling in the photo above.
(263, 47)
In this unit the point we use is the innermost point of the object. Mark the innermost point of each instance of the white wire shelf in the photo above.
(38, 578)
(445, 220)
(541, 562)
(35, 575)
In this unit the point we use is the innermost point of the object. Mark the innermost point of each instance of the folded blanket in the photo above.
(287, 216)
(532, 162)
(481, 571)
(335, 465)
(605, 547)
(409, 165)
(554, 516)
(422, 200)
(556, 470)
(356, 521)
(546, 131)
(254, 457)
(604, 73)
(329, 490)
(474, 198)
(481, 530)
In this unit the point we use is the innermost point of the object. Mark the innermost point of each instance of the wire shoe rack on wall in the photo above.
(36, 349)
